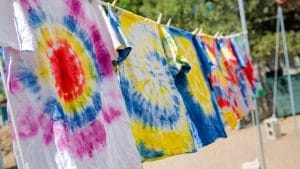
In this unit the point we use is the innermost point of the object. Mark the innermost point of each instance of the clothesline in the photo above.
(114, 3)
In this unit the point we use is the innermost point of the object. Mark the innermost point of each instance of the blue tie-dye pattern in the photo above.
(1, 52)
(219, 92)
(36, 18)
(146, 153)
(135, 101)
(242, 85)
(194, 132)
(242, 63)
(203, 124)
(74, 119)
(217, 119)
(207, 127)
(72, 25)
(29, 80)
(238, 53)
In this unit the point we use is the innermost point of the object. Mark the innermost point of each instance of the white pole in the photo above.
(276, 65)
(13, 122)
(287, 62)
(261, 146)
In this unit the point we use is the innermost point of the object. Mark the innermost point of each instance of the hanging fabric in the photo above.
(67, 104)
(234, 74)
(227, 100)
(245, 71)
(202, 108)
(156, 109)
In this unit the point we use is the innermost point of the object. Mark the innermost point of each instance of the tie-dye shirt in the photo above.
(247, 66)
(65, 97)
(245, 70)
(200, 102)
(219, 82)
(239, 45)
(156, 109)
(233, 73)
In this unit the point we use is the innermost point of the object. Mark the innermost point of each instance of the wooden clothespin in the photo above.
(169, 22)
(159, 18)
(90, 1)
(114, 3)
(217, 34)
(200, 31)
(195, 31)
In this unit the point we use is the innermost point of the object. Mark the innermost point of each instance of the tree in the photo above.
(223, 16)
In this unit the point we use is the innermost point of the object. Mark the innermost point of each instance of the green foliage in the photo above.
(265, 45)
(223, 16)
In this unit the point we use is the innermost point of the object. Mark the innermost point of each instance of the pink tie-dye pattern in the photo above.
(27, 124)
(13, 85)
(85, 141)
(80, 143)
(47, 126)
(112, 115)
(102, 54)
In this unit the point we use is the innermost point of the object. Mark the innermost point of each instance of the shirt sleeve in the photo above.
(15, 31)
(176, 60)
(8, 34)
(119, 41)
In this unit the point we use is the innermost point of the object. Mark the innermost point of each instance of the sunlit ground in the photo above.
(239, 147)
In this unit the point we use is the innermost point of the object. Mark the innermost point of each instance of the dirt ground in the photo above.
(230, 153)
(239, 147)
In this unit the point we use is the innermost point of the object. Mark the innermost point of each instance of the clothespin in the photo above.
(217, 34)
(195, 31)
(159, 18)
(114, 3)
(200, 31)
(90, 1)
(169, 22)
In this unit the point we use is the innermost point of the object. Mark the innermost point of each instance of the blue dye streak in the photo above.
(73, 120)
(151, 115)
(36, 18)
(147, 153)
(29, 80)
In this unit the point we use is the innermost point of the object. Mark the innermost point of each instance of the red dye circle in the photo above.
(67, 70)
